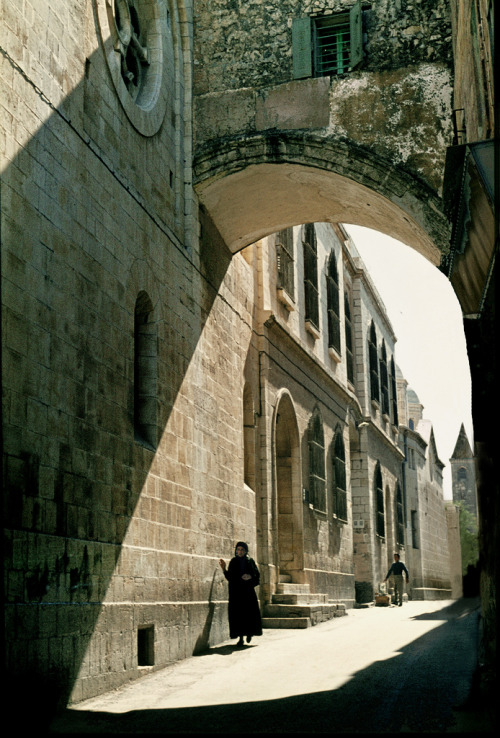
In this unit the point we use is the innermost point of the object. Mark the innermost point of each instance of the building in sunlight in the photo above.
(192, 352)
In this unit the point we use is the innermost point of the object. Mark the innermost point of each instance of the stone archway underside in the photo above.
(258, 184)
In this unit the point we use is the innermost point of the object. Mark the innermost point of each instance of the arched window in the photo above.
(373, 360)
(285, 261)
(348, 339)
(310, 274)
(394, 392)
(384, 380)
(379, 501)
(316, 443)
(248, 438)
(145, 360)
(339, 477)
(332, 303)
(400, 528)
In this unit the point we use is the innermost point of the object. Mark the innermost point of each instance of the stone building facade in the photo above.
(139, 423)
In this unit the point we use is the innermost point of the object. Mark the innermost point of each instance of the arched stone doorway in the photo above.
(288, 519)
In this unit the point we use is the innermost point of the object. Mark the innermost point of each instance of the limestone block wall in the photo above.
(249, 44)
(112, 544)
(397, 102)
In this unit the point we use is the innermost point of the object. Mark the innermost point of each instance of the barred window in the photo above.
(145, 370)
(316, 443)
(373, 360)
(414, 529)
(339, 477)
(379, 501)
(348, 339)
(327, 44)
(384, 381)
(285, 261)
(394, 391)
(400, 528)
(332, 303)
(310, 274)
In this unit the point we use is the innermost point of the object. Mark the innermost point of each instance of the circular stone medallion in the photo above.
(138, 45)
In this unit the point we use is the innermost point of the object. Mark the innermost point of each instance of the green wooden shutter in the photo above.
(356, 30)
(301, 48)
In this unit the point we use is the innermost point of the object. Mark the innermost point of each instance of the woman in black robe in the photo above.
(243, 609)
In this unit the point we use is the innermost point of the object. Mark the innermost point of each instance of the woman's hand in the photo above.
(222, 564)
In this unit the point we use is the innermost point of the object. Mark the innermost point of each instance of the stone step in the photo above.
(292, 588)
(317, 613)
(300, 599)
(286, 622)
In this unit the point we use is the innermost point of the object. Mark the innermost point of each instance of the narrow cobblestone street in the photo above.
(377, 670)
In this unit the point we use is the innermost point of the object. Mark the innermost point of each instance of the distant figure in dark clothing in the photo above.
(397, 570)
(243, 609)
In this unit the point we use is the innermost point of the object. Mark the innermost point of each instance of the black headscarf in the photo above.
(243, 545)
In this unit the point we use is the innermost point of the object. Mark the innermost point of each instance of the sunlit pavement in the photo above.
(379, 669)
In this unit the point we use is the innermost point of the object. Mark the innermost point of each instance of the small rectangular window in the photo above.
(328, 44)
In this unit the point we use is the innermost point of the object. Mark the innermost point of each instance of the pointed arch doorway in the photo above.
(289, 531)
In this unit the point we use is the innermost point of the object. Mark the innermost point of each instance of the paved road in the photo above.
(377, 670)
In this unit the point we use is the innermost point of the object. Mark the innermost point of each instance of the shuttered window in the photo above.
(400, 528)
(372, 357)
(327, 45)
(348, 339)
(384, 380)
(310, 274)
(394, 391)
(340, 479)
(316, 445)
(379, 501)
(332, 299)
(285, 261)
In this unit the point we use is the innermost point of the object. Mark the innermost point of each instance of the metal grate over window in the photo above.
(332, 45)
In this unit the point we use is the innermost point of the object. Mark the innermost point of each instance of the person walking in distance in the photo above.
(243, 609)
(397, 569)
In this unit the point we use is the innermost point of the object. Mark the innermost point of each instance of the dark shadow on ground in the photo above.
(426, 688)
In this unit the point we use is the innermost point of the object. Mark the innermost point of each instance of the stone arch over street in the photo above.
(254, 185)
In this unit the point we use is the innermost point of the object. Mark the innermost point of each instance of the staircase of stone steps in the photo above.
(293, 606)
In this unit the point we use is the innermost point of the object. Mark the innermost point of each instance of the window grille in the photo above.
(332, 300)
(348, 339)
(414, 529)
(400, 529)
(340, 480)
(310, 275)
(285, 261)
(379, 494)
(327, 45)
(145, 370)
(332, 45)
(316, 444)
(384, 383)
(373, 361)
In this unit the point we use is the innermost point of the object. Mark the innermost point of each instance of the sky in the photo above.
(427, 320)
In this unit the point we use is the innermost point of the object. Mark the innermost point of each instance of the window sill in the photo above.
(285, 299)
(334, 354)
(311, 328)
